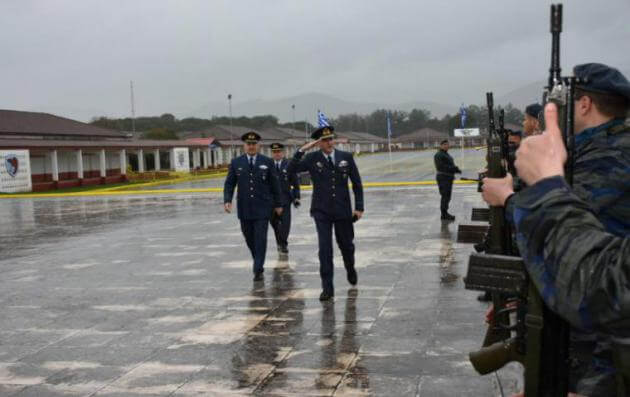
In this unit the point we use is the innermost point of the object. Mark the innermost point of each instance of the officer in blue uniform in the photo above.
(330, 170)
(258, 195)
(290, 190)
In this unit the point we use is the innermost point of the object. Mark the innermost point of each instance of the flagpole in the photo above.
(389, 140)
(389, 144)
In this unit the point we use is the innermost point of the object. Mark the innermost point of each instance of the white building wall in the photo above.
(112, 160)
(39, 164)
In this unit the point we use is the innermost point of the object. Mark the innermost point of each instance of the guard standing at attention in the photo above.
(446, 170)
(258, 195)
(290, 190)
(331, 207)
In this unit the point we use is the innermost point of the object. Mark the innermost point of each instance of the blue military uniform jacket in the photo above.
(289, 183)
(258, 188)
(331, 196)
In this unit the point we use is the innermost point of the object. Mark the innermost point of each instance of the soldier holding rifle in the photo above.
(575, 242)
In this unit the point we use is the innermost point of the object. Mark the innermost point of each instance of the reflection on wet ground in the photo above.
(153, 296)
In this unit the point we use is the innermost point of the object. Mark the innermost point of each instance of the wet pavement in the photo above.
(153, 296)
(375, 167)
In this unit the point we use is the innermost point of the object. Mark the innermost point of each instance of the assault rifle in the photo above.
(540, 340)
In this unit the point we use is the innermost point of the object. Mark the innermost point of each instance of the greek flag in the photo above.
(463, 115)
(322, 120)
(389, 126)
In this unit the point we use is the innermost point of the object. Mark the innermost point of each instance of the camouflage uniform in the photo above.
(565, 243)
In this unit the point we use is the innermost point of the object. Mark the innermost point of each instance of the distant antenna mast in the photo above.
(133, 109)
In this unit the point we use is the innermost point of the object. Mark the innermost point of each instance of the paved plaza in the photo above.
(153, 296)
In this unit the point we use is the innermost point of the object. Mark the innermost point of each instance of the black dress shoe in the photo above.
(258, 276)
(326, 295)
(448, 217)
(352, 276)
(284, 250)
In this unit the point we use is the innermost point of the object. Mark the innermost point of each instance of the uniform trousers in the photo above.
(445, 184)
(255, 233)
(344, 234)
(282, 226)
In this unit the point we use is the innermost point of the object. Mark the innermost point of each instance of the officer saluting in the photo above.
(290, 190)
(258, 195)
(330, 205)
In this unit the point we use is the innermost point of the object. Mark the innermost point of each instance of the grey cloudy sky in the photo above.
(79, 56)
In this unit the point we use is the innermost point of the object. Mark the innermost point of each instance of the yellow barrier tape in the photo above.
(112, 192)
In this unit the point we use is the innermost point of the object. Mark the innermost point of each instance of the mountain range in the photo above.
(306, 106)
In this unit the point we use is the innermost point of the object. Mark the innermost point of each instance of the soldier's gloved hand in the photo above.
(496, 190)
(296, 203)
(542, 156)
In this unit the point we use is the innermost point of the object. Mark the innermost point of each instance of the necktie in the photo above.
(251, 163)
(330, 161)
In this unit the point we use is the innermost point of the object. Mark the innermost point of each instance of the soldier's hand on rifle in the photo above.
(309, 145)
(496, 190)
(542, 156)
(227, 207)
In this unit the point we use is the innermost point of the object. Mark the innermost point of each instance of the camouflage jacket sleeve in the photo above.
(581, 271)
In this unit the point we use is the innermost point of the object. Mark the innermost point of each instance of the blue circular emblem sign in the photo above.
(12, 164)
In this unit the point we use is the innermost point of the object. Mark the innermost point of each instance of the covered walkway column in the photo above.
(156, 157)
(196, 158)
(79, 154)
(208, 155)
(219, 157)
(123, 162)
(140, 160)
(103, 163)
(54, 165)
(171, 155)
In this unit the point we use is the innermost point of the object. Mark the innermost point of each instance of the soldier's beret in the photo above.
(323, 132)
(276, 146)
(597, 77)
(533, 110)
(250, 137)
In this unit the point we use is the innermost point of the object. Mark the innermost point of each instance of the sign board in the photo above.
(15, 171)
(181, 158)
(464, 132)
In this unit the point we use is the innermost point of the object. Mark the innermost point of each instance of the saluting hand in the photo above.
(309, 145)
(228, 207)
(542, 156)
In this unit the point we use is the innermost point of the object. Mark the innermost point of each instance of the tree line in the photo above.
(167, 125)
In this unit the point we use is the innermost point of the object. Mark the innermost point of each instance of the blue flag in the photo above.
(462, 112)
(389, 126)
(322, 120)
